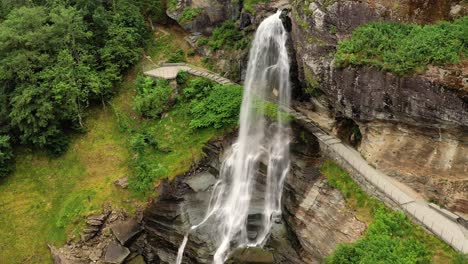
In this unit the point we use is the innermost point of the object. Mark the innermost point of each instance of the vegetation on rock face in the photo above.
(189, 14)
(220, 108)
(152, 96)
(390, 238)
(404, 48)
(227, 36)
(249, 5)
(177, 56)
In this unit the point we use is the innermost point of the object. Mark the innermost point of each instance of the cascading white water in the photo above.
(260, 141)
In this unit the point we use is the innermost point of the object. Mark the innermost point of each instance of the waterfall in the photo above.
(260, 141)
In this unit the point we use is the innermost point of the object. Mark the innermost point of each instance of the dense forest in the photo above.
(59, 57)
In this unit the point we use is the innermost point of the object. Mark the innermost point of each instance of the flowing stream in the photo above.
(261, 141)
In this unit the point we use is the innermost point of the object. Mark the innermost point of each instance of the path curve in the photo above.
(169, 71)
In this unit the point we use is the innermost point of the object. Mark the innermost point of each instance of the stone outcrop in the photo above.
(413, 127)
(110, 237)
(312, 212)
(208, 14)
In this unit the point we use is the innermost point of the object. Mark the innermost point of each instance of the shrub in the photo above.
(182, 78)
(202, 41)
(219, 109)
(146, 171)
(152, 97)
(140, 141)
(387, 240)
(6, 156)
(403, 48)
(57, 144)
(177, 56)
(228, 36)
(191, 52)
(271, 111)
(197, 88)
(189, 14)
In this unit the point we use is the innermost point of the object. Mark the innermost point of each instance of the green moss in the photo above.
(171, 5)
(312, 83)
(189, 14)
(249, 5)
(390, 238)
(405, 48)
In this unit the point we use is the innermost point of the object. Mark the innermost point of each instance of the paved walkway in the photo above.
(169, 71)
(439, 221)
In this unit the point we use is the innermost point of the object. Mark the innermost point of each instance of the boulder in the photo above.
(116, 253)
(201, 181)
(125, 231)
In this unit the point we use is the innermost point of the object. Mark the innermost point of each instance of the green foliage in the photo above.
(228, 36)
(146, 172)
(312, 84)
(271, 111)
(189, 14)
(6, 156)
(182, 78)
(339, 179)
(249, 5)
(197, 89)
(172, 5)
(153, 96)
(390, 238)
(177, 56)
(191, 52)
(219, 109)
(404, 48)
(57, 58)
(202, 41)
(74, 207)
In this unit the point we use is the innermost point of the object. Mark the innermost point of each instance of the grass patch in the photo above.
(390, 238)
(45, 199)
(405, 48)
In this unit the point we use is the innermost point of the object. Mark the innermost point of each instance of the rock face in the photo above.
(110, 237)
(413, 127)
(315, 217)
(208, 14)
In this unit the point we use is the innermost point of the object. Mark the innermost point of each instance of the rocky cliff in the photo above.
(315, 216)
(412, 127)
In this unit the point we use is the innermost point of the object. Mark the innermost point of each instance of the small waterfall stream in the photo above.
(260, 141)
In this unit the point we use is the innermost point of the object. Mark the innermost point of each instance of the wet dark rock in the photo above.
(116, 253)
(251, 256)
(125, 231)
(201, 182)
(245, 20)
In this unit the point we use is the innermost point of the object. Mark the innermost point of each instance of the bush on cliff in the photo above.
(152, 97)
(219, 109)
(404, 48)
(390, 238)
